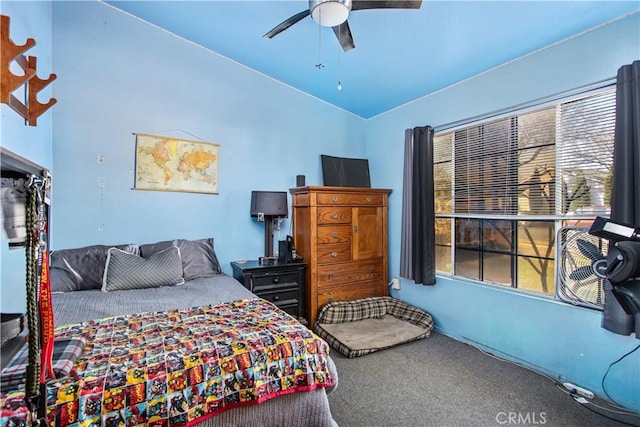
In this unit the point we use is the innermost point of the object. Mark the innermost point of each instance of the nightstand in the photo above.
(282, 284)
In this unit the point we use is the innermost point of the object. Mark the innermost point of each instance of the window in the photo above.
(505, 185)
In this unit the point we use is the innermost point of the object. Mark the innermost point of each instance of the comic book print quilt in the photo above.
(179, 367)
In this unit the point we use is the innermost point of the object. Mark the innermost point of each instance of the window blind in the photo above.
(551, 161)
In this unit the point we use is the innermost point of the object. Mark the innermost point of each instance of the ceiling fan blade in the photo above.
(389, 4)
(343, 33)
(287, 23)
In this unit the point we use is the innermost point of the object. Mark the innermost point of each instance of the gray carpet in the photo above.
(439, 381)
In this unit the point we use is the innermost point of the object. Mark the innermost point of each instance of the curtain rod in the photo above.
(554, 97)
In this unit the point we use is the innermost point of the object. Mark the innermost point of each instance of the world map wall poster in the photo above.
(170, 164)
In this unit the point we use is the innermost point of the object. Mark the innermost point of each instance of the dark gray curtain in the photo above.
(625, 194)
(417, 252)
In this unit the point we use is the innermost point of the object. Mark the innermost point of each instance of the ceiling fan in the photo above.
(334, 13)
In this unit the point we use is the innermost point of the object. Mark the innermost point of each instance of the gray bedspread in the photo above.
(304, 409)
(78, 306)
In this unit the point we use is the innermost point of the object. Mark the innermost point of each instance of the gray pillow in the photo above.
(198, 256)
(82, 268)
(124, 271)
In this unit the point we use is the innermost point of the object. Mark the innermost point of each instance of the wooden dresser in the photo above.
(341, 233)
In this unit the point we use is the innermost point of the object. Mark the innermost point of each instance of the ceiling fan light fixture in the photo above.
(330, 13)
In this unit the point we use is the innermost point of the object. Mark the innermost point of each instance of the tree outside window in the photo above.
(503, 187)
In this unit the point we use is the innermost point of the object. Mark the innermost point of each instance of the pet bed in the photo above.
(359, 327)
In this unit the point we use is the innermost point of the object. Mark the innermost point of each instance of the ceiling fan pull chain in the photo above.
(320, 65)
(339, 66)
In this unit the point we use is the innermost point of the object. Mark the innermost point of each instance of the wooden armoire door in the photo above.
(368, 241)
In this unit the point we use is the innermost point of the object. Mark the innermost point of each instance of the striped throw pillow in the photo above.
(125, 271)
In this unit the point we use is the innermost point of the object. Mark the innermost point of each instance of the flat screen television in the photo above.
(269, 203)
(345, 172)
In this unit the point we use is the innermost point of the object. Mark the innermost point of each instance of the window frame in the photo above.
(558, 220)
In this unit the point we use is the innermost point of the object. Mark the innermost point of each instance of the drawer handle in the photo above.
(330, 276)
(334, 254)
(275, 280)
(368, 199)
(276, 298)
(334, 234)
(335, 198)
(334, 216)
(372, 270)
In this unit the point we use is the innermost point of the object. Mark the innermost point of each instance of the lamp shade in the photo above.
(269, 203)
(330, 13)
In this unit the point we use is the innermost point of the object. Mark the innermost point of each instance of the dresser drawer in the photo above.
(331, 253)
(329, 275)
(351, 292)
(273, 280)
(334, 215)
(350, 199)
(301, 199)
(334, 234)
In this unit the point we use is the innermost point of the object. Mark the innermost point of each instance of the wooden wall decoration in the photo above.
(31, 109)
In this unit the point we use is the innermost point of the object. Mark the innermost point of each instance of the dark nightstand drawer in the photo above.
(291, 309)
(274, 279)
(284, 297)
(281, 284)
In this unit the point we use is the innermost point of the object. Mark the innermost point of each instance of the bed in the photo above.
(171, 340)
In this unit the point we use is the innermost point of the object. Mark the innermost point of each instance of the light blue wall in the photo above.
(119, 76)
(27, 20)
(562, 341)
